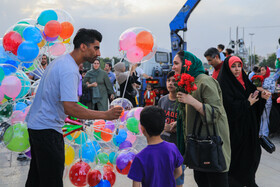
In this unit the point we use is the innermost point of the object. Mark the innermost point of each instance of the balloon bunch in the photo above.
(138, 44)
(20, 51)
(101, 148)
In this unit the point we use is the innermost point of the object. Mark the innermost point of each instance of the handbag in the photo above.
(267, 144)
(204, 153)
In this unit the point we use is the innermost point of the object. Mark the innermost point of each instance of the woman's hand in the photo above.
(253, 97)
(94, 84)
(185, 98)
(190, 100)
(265, 95)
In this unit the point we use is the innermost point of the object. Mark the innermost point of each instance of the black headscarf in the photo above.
(244, 121)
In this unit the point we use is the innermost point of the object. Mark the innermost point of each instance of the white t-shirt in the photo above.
(59, 83)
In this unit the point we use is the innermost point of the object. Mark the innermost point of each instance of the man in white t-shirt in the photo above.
(55, 98)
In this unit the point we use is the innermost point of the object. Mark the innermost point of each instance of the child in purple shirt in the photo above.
(159, 164)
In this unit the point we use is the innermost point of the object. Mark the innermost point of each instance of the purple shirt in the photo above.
(155, 164)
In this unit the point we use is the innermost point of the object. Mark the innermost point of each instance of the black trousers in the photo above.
(211, 179)
(47, 159)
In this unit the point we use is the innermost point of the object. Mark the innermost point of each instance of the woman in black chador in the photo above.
(244, 106)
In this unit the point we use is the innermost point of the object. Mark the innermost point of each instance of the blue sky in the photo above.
(208, 25)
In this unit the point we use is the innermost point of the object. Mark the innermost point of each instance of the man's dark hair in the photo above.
(109, 64)
(153, 119)
(229, 51)
(86, 36)
(221, 46)
(212, 52)
(170, 74)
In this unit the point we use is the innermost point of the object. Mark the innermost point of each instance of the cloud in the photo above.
(208, 25)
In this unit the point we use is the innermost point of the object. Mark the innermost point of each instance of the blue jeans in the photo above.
(264, 129)
(180, 180)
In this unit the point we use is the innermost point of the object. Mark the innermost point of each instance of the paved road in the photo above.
(13, 173)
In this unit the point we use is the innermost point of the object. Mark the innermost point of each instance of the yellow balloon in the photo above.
(42, 43)
(4, 101)
(69, 154)
(66, 41)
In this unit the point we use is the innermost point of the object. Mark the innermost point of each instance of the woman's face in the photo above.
(177, 65)
(236, 69)
(96, 64)
(263, 71)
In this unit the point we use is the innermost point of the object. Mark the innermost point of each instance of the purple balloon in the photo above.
(125, 144)
(110, 125)
(124, 116)
(28, 153)
(49, 39)
(124, 158)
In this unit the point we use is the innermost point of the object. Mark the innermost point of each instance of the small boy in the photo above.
(159, 164)
(168, 104)
(149, 96)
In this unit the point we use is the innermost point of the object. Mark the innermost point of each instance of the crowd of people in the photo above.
(240, 112)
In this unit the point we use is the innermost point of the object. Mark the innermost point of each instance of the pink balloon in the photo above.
(134, 54)
(130, 137)
(127, 41)
(1, 93)
(137, 113)
(17, 116)
(57, 49)
(11, 86)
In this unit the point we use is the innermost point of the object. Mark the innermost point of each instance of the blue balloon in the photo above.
(32, 34)
(120, 138)
(46, 16)
(103, 183)
(89, 150)
(25, 84)
(9, 67)
(27, 65)
(112, 157)
(27, 51)
(20, 106)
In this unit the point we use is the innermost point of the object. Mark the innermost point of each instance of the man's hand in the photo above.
(174, 126)
(114, 113)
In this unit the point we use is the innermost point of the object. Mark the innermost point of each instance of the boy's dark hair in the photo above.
(86, 36)
(153, 119)
(212, 52)
(84, 71)
(221, 46)
(170, 74)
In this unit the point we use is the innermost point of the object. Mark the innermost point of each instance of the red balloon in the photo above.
(108, 167)
(11, 41)
(110, 176)
(145, 41)
(94, 177)
(125, 170)
(78, 173)
(52, 29)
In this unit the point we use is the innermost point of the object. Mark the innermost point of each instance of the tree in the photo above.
(270, 61)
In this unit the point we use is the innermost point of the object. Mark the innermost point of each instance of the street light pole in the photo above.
(251, 50)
